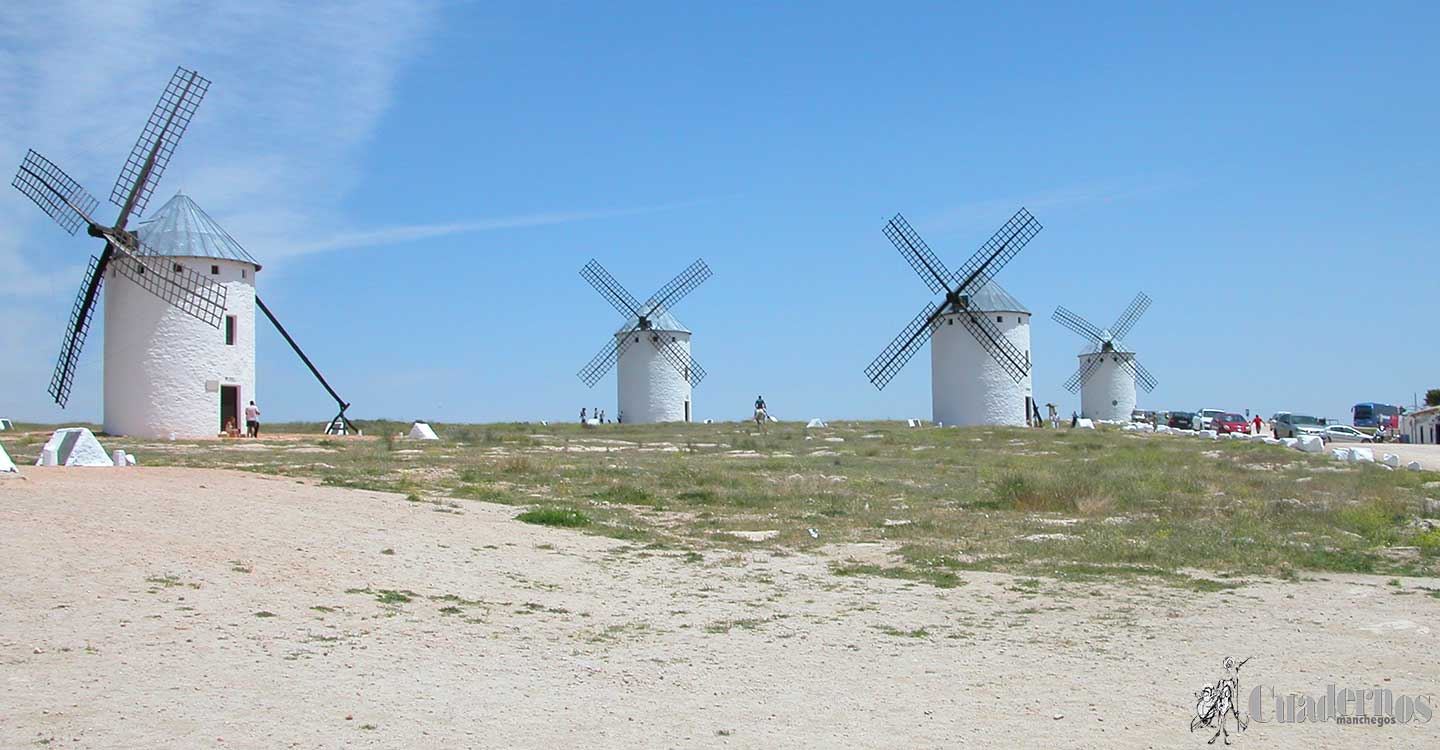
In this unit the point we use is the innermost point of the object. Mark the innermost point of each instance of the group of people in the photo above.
(252, 423)
(598, 416)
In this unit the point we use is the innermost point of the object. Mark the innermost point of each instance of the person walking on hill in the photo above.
(1257, 422)
(252, 420)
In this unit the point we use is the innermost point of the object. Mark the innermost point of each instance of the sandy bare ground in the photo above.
(128, 618)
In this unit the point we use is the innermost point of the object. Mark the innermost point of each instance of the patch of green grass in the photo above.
(322, 609)
(563, 517)
(386, 596)
(388, 551)
(264, 613)
(1094, 504)
(942, 579)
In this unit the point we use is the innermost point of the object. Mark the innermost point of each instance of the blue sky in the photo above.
(423, 182)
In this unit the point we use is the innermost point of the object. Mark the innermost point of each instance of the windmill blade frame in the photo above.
(57, 194)
(677, 288)
(1126, 321)
(1078, 324)
(605, 358)
(613, 291)
(157, 142)
(681, 360)
(994, 341)
(81, 313)
(1142, 376)
(1082, 374)
(187, 291)
(899, 351)
(997, 251)
(922, 259)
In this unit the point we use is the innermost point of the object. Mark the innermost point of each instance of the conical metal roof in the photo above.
(662, 322)
(993, 298)
(181, 229)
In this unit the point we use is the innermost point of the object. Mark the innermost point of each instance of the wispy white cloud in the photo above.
(298, 91)
(396, 235)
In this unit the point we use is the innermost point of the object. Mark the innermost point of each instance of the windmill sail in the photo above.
(59, 196)
(959, 288)
(157, 142)
(80, 316)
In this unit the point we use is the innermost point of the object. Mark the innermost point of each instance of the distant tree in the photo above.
(1432, 397)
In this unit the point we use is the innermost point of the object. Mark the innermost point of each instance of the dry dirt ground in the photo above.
(161, 607)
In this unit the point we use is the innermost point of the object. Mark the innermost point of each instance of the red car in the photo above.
(1230, 423)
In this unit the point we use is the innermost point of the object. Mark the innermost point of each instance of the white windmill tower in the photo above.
(656, 372)
(179, 359)
(980, 351)
(1108, 372)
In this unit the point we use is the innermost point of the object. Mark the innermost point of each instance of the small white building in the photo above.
(967, 385)
(1108, 393)
(649, 387)
(1421, 425)
(166, 372)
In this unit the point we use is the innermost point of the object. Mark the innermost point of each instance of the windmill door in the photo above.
(687, 410)
(230, 406)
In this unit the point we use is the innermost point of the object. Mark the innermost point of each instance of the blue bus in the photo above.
(1374, 415)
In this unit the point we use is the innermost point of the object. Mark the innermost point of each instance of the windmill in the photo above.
(1108, 372)
(179, 358)
(656, 372)
(980, 369)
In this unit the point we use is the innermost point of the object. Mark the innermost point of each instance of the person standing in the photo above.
(1257, 422)
(582, 415)
(252, 420)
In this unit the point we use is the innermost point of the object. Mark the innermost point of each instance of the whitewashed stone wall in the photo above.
(650, 388)
(1109, 393)
(159, 361)
(968, 387)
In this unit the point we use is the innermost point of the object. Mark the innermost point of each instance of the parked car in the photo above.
(1290, 425)
(1207, 416)
(1339, 433)
(1142, 415)
(1230, 422)
(1181, 420)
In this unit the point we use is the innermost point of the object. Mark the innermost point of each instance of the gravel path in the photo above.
(160, 607)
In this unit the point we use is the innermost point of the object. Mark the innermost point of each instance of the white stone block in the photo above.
(1085, 424)
(73, 446)
(1340, 454)
(1290, 442)
(1413, 466)
(6, 465)
(117, 456)
(815, 423)
(1311, 444)
(1391, 460)
(422, 431)
(1209, 434)
(1362, 455)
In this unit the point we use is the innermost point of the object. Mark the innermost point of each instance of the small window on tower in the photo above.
(214, 270)
(229, 330)
(242, 273)
(179, 268)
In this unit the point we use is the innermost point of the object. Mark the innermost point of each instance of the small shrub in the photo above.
(565, 517)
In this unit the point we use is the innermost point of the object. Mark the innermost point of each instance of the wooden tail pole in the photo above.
(313, 370)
